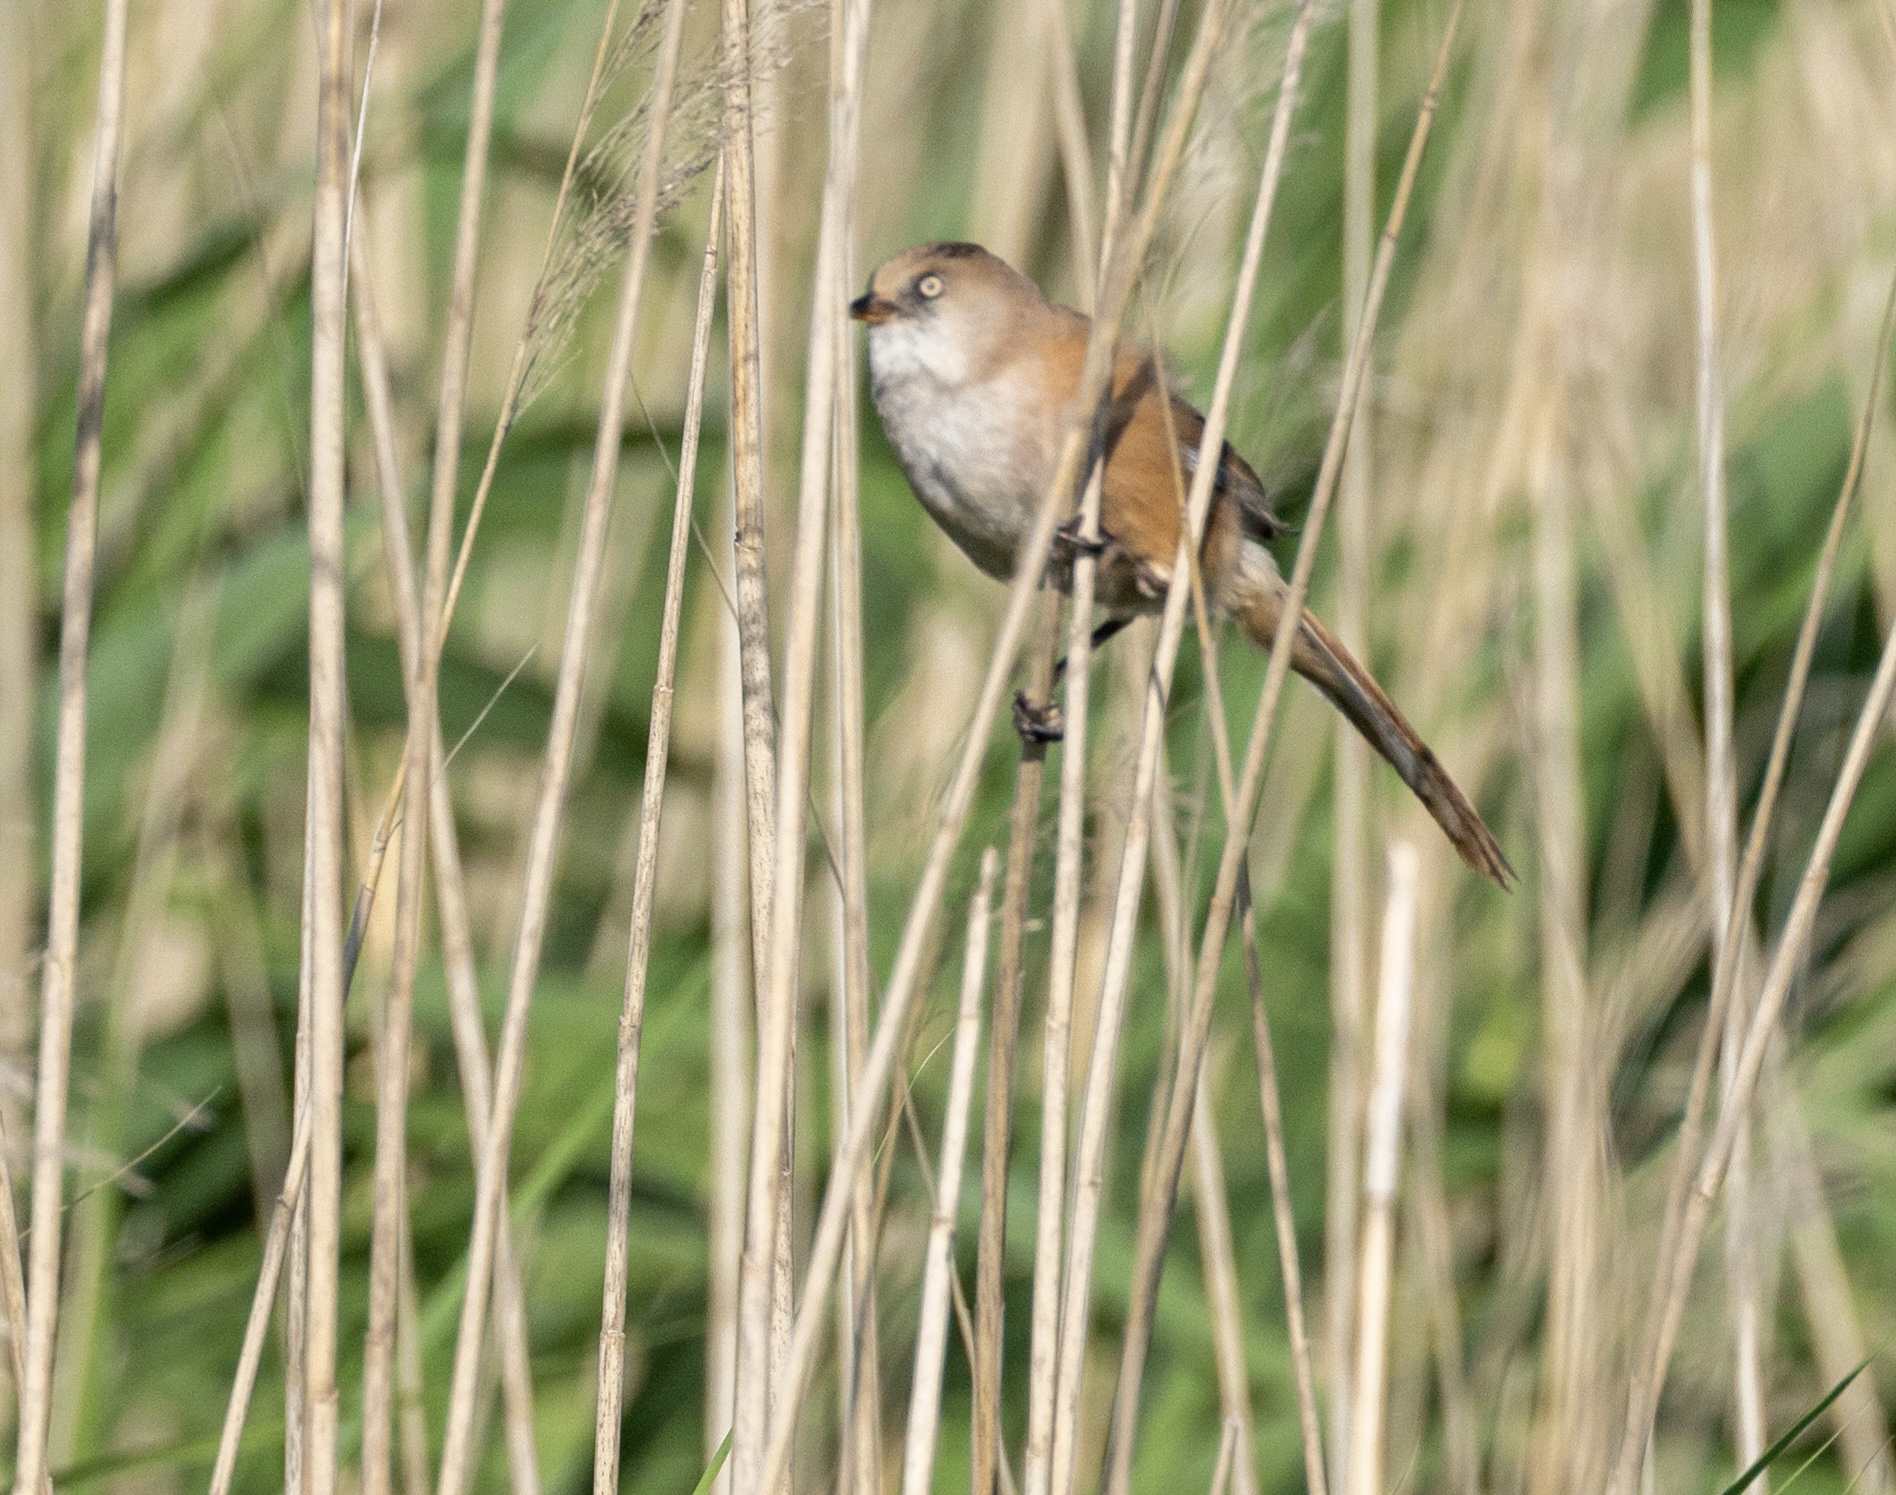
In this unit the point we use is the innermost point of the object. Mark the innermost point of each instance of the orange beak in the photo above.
(871, 308)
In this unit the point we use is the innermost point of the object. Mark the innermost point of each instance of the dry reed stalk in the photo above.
(12, 1284)
(1041, 1459)
(1691, 1127)
(470, 1038)
(1003, 1045)
(296, 1220)
(938, 1271)
(1069, 121)
(19, 580)
(765, 1268)
(454, 381)
(1435, 1245)
(731, 1016)
(1721, 792)
(257, 1326)
(327, 707)
(1382, 1134)
(611, 1379)
(1156, 1211)
(861, 1352)
(1570, 1163)
(1271, 1105)
(421, 665)
(826, 1245)
(411, 1413)
(1350, 890)
(92, 1256)
(1676, 1271)
(457, 1444)
(1224, 1302)
(758, 1349)
(1227, 1457)
(62, 939)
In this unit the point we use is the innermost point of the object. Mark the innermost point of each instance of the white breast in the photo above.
(972, 459)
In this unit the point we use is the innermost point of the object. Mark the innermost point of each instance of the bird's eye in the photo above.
(929, 286)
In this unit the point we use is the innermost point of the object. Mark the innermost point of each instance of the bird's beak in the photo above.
(871, 308)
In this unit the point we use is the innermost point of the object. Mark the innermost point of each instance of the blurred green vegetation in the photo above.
(205, 436)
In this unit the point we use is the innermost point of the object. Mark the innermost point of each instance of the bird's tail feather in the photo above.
(1256, 602)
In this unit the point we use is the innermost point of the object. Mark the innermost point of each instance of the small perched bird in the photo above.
(974, 374)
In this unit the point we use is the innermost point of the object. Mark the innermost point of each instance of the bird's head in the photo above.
(951, 311)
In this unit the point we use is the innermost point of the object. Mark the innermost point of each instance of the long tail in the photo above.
(1256, 602)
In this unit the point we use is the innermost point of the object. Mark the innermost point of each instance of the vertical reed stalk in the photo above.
(457, 1445)
(62, 939)
(757, 1265)
(1721, 794)
(732, 1013)
(12, 1284)
(1381, 1158)
(19, 544)
(938, 1271)
(861, 1355)
(651, 804)
(327, 707)
(1286, 1225)
(420, 668)
(1350, 892)
(1003, 1045)
(771, 1143)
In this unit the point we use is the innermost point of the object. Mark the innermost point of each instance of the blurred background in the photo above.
(1524, 518)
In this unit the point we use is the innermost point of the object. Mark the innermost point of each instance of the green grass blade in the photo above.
(710, 1476)
(1770, 1456)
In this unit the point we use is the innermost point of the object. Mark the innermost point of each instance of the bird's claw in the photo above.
(1038, 721)
(1069, 542)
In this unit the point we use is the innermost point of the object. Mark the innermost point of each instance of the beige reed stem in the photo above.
(777, 1009)
(938, 1270)
(1277, 1165)
(35, 1386)
(1721, 793)
(1381, 1158)
(1350, 891)
(328, 707)
(611, 1381)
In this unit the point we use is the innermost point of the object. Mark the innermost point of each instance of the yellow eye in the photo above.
(929, 286)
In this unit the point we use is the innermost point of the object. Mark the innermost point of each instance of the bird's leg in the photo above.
(1106, 631)
(1044, 722)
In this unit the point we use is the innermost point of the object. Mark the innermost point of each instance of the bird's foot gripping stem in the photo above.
(1039, 722)
(1069, 543)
